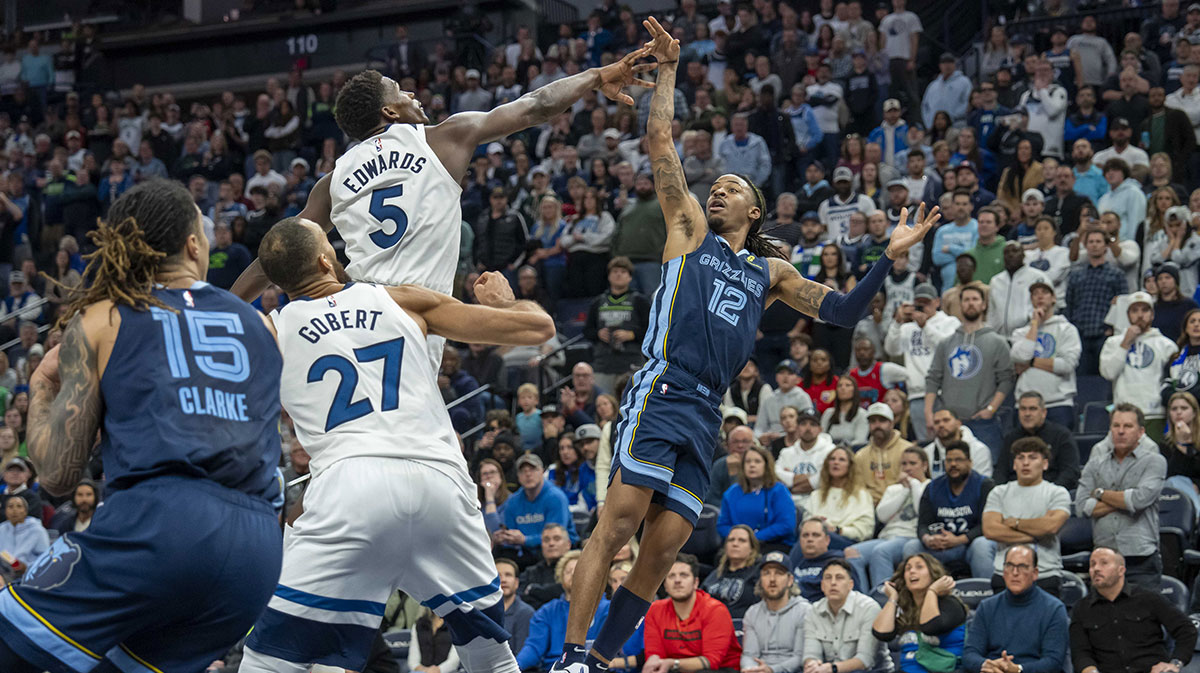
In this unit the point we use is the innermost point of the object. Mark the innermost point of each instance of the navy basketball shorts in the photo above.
(171, 573)
(666, 437)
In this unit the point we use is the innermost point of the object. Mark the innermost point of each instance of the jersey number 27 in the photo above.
(344, 408)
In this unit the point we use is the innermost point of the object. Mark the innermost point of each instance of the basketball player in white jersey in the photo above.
(394, 197)
(391, 504)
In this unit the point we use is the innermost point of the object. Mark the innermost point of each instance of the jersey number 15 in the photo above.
(344, 409)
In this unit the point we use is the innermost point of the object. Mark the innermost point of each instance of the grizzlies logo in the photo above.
(966, 361)
(1045, 345)
(1139, 356)
(53, 568)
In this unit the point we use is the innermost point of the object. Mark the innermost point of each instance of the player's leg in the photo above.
(338, 570)
(448, 567)
(625, 507)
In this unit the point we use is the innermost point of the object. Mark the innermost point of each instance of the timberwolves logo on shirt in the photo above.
(1139, 356)
(966, 361)
(54, 568)
(1042, 264)
(1045, 345)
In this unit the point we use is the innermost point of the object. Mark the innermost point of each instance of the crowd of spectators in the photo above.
(859, 467)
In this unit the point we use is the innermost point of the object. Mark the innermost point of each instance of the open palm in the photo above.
(663, 47)
(906, 236)
(616, 76)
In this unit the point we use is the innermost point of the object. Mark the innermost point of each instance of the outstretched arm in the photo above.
(686, 225)
(845, 310)
(500, 319)
(253, 282)
(65, 405)
(454, 140)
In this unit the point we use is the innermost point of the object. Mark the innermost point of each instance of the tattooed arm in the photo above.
(686, 224)
(788, 286)
(65, 406)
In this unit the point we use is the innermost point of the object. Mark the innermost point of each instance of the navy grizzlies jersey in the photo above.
(193, 392)
(706, 311)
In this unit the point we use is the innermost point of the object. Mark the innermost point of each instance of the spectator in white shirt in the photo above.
(1047, 256)
(264, 175)
(1045, 354)
(799, 465)
(914, 334)
(947, 428)
(788, 393)
(1009, 306)
(1187, 97)
(1046, 102)
(1134, 362)
(900, 31)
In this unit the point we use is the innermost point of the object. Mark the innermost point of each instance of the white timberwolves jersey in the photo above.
(397, 209)
(358, 381)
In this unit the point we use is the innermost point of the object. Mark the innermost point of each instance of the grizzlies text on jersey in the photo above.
(703, 324)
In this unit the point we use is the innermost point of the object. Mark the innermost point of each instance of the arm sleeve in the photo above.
(815, 134)
(867, 647)
(451, 662)
(975, 649)
(812, 647)
(1149, 485)
(750, 645)
(1022, 348)
(1112, 358)
(984, 492)
(725, 520)
(1005, 375)
(1054, 643)
(795, 662)
(953, 614)
(1081, 649)
(718, 634)
(891, 503)
(933, 378)
(859, 517)
(781, 514)
(892, 374)
(893, 343)
(845, 310)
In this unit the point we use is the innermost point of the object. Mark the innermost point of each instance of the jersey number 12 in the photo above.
(343, 409)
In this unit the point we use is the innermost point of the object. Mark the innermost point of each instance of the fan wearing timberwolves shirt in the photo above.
(181, 379)
(718, 275)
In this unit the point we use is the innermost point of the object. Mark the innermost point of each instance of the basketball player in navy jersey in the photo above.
(719, 273)
(181, 379)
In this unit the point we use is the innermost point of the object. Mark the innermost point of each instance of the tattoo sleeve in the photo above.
(547, 101)
(62, 426)
(797, 291)
(669, 180)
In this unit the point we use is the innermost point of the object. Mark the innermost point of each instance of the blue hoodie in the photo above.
(548, 629)
(530, 517)
(26, 541)
(958, 240)
(771, 513)
(1091, 183)
(1128, 201)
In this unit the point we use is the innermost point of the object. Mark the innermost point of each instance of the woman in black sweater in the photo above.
(922, 607)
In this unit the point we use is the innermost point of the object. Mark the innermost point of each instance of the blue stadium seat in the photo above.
(1075, 540)
(1177, 523)
(1095, 417)
(583, 523)
(1092, 389)
(1073, 590)
(705, 541)
(398, 642)
(972, 591)
(1176, 592)
(1085, 442)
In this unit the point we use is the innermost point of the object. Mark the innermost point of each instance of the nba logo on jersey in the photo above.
(664, 388)
(378, 144)
(331, 300)
(187, 299)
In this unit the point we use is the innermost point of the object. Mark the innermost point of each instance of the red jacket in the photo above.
(707, 632)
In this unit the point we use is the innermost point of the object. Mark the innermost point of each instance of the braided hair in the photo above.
(756, 243)
(147, 225)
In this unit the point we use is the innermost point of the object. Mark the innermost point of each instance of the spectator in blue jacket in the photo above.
(892, 134)
(760, 501)
(548, 627)
(744, 152)
(955, 237)
(1089, 179)
(1022, 629)
(948, 92)
(538, 503)
(809, 556)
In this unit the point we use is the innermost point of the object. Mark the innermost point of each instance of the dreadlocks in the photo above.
(358, 103)
(148, 224)
(756, 243)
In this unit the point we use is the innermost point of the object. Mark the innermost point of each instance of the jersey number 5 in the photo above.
(383, 212)
(343, 410)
